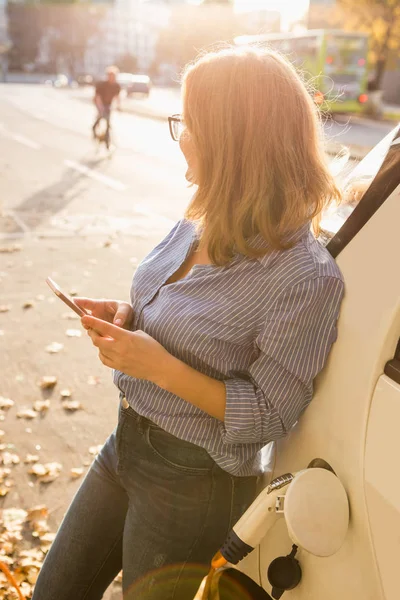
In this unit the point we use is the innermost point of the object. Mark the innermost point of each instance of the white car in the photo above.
(353, 420)
(134, 84)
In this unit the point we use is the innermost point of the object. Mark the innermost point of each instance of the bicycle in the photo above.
(104, 137)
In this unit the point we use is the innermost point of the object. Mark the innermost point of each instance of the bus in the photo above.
(335, 60)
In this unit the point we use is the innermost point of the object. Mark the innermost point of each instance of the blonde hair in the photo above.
(260, 167)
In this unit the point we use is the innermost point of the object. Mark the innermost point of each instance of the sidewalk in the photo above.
(92, 267)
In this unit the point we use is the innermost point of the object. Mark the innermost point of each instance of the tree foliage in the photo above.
(64, 28)
(381, 20)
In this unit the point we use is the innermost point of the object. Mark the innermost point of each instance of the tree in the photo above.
(64, 27)
(381, 20)
(127, 63)
(24, 31)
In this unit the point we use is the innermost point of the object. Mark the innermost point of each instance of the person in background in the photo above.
(105, 93)
(230, 319)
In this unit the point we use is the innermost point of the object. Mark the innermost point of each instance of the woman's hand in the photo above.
(133, 352)
(112, 311)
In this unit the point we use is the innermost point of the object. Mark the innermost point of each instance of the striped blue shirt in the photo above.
(262, 326)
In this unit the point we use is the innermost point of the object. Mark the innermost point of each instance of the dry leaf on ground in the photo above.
(4, 308)
(46, 473)
(93, 380)
(10, 248)
(6, 403)
(118, 578)
(76, 472)
(71, 316)
(47, 382)
(73, 332)
(94, 450)
(54, 347)
(66, 393)
(27, 413)
(28, 304)
(31, 458)
(9, 458)
(71, 405)
(41, 405)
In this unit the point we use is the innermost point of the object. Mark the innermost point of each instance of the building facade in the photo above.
(129, 28)
(4, 42)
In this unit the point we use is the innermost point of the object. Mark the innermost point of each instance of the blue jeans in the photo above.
(151, 504)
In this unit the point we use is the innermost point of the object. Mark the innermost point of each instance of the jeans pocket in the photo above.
(175, 453)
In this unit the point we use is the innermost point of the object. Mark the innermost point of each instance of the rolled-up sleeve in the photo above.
(293, 346)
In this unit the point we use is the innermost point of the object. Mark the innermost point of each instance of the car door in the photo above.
(354, 417)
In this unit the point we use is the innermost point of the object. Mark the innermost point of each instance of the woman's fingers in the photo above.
(123, 315)
(87, 303)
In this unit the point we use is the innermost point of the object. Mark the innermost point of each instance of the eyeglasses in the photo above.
(176, 126)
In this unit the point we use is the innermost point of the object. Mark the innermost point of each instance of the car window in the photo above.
(365, 188)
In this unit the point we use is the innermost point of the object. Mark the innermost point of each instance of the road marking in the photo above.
(18, 220)
(25, 141)
(108, 181)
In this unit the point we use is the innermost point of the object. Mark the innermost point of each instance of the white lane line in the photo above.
(108, 181)
(25, 141)
(18, 220)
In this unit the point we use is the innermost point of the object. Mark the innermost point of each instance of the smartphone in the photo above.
(65, 298)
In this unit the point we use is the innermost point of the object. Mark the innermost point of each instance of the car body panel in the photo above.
(345, 425)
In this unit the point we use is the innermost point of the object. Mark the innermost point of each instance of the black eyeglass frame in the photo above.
(174, 119)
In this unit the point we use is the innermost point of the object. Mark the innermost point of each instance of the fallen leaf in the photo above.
(2, 433)
(28, 304)
(107, 243)
(6, 403)
(73, 332)
(9, 458)
(46, 473)
(3, 491)
(71, 404)
(38, 469)
(47, 382)
(27, 413)
(37, 513)
(94, 450)
(70, 316)
(10, 248)
(66, 393)
(76, 472)
(73, 292)
(54, 347)
(4, 308)
(31, 458)
(118, 578)
(41, 405)
(93, 380)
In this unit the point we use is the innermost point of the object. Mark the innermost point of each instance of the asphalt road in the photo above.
(85, 219)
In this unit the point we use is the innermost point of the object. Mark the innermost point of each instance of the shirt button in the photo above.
(125, 402)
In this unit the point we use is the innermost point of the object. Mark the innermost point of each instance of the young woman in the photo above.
(233, 314)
